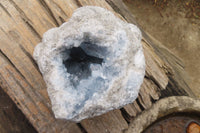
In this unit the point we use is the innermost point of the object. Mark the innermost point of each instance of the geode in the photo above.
(91, 64)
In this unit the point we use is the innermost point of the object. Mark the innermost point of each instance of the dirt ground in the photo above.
(176, 24)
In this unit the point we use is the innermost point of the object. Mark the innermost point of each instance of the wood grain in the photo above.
(12, 119)
(22, 25)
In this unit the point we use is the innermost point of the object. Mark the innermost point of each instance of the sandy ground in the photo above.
(176, 24)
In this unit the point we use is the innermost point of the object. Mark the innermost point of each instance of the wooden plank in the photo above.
(22, 25)
(111, 122)
(12, 119)
(21, 29)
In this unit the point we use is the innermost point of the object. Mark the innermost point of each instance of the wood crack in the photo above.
(61, 10)
(125, 115)
(5, 10)
(115, 8)
(83, 130)
(30, 58)
(78, 3)
(23, 15)
(10, 62)
(173, 89)
(139, 104)
(61, 19)
(32, 28)
(152, 99)
(45, 5)
(27, 21)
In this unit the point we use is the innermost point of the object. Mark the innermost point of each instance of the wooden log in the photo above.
(12, 119)
(22, 25)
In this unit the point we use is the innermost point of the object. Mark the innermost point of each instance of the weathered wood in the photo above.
(111, 122)
(12, 119)
(22, 25)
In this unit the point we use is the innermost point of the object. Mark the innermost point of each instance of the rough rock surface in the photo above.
(91, 64)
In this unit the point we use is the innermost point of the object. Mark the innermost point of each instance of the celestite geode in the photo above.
(91, 64)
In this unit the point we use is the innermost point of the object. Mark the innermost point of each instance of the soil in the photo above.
(176, 24)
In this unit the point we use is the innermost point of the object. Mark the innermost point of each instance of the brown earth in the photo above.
(176, 24)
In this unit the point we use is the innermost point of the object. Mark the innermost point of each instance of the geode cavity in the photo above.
(91, 64)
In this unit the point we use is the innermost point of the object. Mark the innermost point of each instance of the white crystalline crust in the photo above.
(112, 84)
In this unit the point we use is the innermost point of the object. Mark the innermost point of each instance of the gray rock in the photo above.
(91, 64)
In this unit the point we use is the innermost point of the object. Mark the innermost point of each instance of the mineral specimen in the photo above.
(91, 64)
